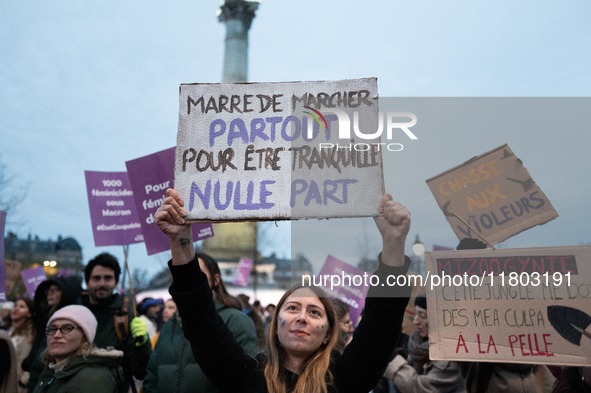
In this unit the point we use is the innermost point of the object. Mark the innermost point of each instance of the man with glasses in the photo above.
(418, 373)
(102, 276)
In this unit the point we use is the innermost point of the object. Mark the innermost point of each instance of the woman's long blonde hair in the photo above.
(315, 376)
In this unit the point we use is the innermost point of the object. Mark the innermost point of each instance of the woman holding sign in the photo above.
(303, 331)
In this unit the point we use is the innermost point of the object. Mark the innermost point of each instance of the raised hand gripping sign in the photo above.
(273, 151)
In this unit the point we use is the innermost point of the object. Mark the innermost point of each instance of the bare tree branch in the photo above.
(11, 194)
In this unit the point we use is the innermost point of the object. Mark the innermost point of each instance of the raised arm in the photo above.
(220, 357)
(360, 366)
(170, 219)
(393, 224)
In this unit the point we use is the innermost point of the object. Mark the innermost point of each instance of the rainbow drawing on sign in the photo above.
(315, 117)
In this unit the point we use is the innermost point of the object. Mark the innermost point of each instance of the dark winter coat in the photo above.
(71, 288)
(135, 358)
(173, 368)
(99, 372)
(222, 360)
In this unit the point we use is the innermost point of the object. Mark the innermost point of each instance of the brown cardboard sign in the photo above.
(493, 194)
(12, 270)
(521, 305)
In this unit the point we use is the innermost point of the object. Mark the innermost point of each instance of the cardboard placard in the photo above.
(494, 194)
(522, 305)
(345, 282)
(150, 176)
(277, 151)
(12, 270)
(112, 209)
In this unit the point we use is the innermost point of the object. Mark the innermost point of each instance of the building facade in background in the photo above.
(33, 252)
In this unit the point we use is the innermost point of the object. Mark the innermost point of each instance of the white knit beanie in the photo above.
(81, 316)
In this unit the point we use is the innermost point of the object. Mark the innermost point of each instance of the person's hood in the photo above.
(71, 288)
(97, 357)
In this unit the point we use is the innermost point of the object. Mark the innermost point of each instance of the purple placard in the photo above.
(441, 248)
(150, 176)
(243, 271)
(112, 209)
(2, 276)
(347, 291)
(32, 278)
(63, 273)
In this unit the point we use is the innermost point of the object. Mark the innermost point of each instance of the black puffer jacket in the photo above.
(71, 288)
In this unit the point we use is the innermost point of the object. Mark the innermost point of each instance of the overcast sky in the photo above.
(87, 86)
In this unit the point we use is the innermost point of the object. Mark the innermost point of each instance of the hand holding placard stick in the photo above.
(130, 283)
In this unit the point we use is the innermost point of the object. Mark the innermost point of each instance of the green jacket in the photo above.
(173, 368)
(100, 372)
(135, 358)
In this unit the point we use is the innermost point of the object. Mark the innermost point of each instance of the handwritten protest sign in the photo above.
(150, 176)
(112, 210)
(345, 282)
(269, 151)
(494, 194)
(2, 275)
(523, 305)
(32, 278)
(12, 270)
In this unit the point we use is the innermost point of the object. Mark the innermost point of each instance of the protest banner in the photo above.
(492, 194)
(3, 294)
(243, 271)
(32, 278)
(343, 281)
(441, 248)
(522, 305)
(149, 177)
(12, 270)
(112, 210)
(279, 151)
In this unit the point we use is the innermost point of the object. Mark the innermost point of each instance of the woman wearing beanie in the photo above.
(50, 296)
(73, 363)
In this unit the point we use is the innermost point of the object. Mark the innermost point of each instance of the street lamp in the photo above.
(418, 248)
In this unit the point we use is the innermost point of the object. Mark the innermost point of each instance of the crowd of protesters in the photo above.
(206, 340)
